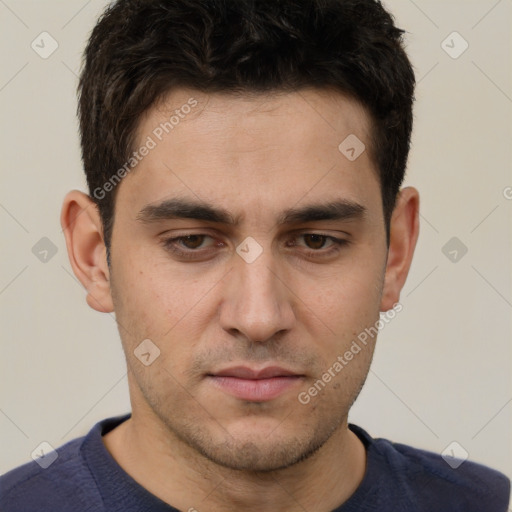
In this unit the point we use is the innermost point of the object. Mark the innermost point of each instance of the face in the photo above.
(251, 252)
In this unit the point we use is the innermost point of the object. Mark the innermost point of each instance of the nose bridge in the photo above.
(256, 301)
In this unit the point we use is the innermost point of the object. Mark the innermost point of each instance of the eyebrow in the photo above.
(181, 208)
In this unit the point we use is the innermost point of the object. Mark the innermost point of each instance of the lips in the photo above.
(255, 385)
(244, 372)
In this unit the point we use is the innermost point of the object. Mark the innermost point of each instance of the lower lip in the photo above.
(255, 390)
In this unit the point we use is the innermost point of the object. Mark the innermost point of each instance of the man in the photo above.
(246, 225)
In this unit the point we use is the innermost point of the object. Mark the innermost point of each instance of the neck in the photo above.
(183, 478)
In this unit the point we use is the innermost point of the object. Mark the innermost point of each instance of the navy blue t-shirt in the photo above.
(399, 478)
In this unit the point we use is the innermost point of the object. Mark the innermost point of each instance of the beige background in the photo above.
(442, 369)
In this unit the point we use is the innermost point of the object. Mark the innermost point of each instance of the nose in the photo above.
(257, 302)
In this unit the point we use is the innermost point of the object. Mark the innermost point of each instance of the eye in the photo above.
(193, 246)
(191, 241)
(187, 246)
(315, 242)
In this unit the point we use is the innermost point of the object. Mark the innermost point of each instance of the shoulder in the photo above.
(65, 484)
(428, 481)
(476, 482)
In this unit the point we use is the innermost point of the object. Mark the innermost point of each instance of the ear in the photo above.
(81, 223)
(404, 230)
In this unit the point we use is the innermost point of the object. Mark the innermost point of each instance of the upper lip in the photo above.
(244, 372)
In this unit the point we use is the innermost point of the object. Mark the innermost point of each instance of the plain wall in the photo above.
(442, 367)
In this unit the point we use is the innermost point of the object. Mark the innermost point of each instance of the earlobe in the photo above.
(82, 227)
(404, 231)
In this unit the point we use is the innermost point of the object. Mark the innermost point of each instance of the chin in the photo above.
(257, 457)
(257, 446)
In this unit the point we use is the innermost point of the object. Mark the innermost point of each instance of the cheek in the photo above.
(155, 301)
(348, 299)
(142, 309)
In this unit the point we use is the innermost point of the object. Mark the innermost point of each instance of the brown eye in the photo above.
(189, 246)
(315, 241)
(318, 245)
(192, 241)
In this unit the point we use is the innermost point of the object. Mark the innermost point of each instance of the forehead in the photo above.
(325, 109)
(258, 150)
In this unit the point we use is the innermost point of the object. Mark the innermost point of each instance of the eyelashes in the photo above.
(190, 246)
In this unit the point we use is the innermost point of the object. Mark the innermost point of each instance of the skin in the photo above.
(297, 306)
